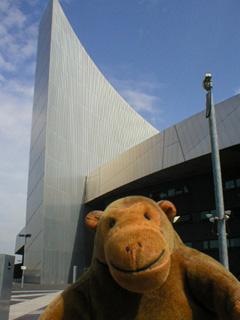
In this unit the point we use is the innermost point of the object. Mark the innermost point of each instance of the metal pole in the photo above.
(221, 223)
(25, 238)
(75, 272)
(26, 235)
(22, 279)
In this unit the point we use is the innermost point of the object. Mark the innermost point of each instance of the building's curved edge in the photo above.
(180, 143)
(79, 122)
(154, 130)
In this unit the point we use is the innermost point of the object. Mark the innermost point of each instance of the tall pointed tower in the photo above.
(79, 122)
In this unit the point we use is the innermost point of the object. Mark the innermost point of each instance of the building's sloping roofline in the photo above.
(79, 122)
(180, 143)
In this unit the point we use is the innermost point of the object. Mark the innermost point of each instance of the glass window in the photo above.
(213, 244)
(213, 212)
(163, 195)
(229, 184)
(196, 216)
(205, 245)
(171, 192)
(185, 218)
(188, 244)
(237, 183)
(179, 190)
(203, 215)
(235, 242)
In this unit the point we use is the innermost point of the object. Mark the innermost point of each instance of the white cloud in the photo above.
(4, 5)
(3, 30)
(13, 87)
(18, 37)
(30, 68)
(32, 2)
(14, 18)
(15, 121)
(144, 95)
(140, 94)
(29, 48)
(6, 66)
(140, 101)
(18, 32)
(12, 216)
(237, 91)
(32, 30)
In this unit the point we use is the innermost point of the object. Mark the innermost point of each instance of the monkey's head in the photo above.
(135, 238)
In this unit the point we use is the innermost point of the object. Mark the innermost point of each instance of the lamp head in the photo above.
(207, 81)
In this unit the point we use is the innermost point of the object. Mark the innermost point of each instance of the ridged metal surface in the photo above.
(186, 140)
(79, 123)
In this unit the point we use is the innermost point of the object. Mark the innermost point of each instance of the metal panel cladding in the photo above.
(79, 123)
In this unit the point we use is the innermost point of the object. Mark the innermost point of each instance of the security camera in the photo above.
(207, 81)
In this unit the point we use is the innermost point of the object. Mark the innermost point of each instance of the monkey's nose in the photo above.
(134, 247)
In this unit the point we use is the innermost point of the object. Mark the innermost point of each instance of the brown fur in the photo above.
(142, 270)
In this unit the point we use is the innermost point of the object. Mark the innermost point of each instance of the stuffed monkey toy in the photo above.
(142, 270)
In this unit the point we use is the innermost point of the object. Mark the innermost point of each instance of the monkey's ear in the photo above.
(169, 208)
(92, 220)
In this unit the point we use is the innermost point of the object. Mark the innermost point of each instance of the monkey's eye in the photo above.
(112, 223)
(147, 216)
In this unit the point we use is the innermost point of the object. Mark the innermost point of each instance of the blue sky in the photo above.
(154, 52)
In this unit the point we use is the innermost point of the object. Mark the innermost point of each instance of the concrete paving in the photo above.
(28, 303)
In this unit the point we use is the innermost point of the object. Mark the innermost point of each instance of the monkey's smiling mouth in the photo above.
(141, 269)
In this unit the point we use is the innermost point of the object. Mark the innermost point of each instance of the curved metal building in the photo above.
(79, 122)
(89, 147)
(176, 164)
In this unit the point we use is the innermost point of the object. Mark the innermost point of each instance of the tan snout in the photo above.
(135, 256)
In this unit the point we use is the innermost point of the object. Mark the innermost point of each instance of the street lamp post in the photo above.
(27, 235)
(221, 223)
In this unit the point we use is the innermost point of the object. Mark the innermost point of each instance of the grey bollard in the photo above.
(6, 279)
